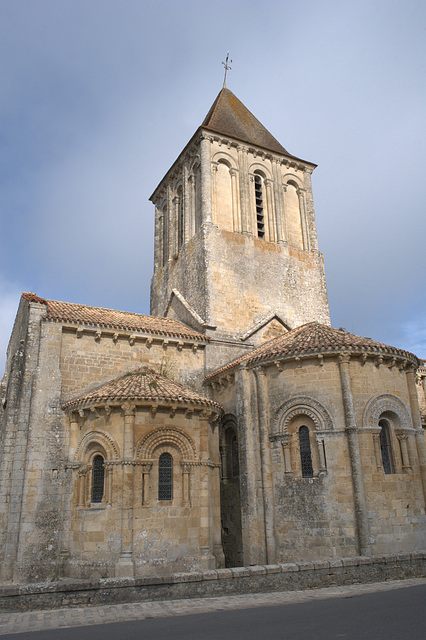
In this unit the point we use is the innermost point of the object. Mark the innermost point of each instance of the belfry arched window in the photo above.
(305, 453)
(180, 217)
(98, 478)
(385, 447)
(165, 477)
(260, 213)
(165, 231)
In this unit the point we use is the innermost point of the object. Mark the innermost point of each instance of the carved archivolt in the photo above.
(301, 405)
(291, 177)
(226, 158)
(383, 403)
(257, 166)
(166, 435)
(101, 438)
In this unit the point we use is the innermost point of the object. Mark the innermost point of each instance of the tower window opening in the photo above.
(305, 453)
(260, 218)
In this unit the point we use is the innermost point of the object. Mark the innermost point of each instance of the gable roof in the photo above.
(228, 116)
(113, 319)
(141, 384)
(313, 338)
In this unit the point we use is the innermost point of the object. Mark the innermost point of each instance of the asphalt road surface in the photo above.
(389, 615)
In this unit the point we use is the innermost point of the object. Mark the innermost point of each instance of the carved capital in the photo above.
(128, 408)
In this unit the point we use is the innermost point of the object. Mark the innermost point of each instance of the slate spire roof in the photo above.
(313, 338)
(141, 384)
(229, 117)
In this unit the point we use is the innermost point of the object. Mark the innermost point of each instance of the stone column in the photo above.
(73, 435)
(303, 221)
(206, 535)
(192, 203)
(185, 195)
(206, 180)
(186, 499)
(244, 189)
(267, 483)
(279, 202)
(287, 455)
(270, 209)
(377, 449)
(158, 240)
(236, 213)
(125, 566)
(146, 469)
(310, 211)
(321, 454)
(253, 534)
(355, 459)
(405, 458)
(417, 423)
(171, 227)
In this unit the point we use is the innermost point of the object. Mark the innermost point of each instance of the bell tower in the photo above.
(236, 251)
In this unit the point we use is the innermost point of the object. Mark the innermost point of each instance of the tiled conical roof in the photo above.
(314, 338)
(142, 384)
(113, 319)
(229, 117)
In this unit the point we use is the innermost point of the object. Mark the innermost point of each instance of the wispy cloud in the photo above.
(415, 331)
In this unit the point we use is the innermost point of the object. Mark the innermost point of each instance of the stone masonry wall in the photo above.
(88, 362)
(239, 580)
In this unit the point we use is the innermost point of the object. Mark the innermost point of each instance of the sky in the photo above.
(98, 98)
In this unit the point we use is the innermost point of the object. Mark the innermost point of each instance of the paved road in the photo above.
(390, 611)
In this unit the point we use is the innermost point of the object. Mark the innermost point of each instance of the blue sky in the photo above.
(98, 97)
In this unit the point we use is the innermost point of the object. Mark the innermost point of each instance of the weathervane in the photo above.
(226, 65)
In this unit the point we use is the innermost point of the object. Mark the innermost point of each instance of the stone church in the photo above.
(233, 426)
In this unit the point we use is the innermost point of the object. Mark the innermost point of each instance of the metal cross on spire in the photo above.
(227, 67)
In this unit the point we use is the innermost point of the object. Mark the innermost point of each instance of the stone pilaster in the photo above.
(310, 211)
(265, 455)
(125, 565)
(279, 203)
(253, 534)
(244, 189)
(206, 180)
(355, 459)
(415, 414)
(303, 220)
(272, 236)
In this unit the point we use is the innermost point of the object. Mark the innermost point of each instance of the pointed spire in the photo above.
(229, 117)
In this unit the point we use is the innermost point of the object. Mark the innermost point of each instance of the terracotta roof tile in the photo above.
(312, 338)
(141, 384)
(110, 318)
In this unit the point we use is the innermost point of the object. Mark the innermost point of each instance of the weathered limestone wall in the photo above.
(250, 278)
(349, 502)
(395, 501)
(88, 361)
(229, 275)
(36, 456)
(239, 580)
(131, 530)
(185, 272)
